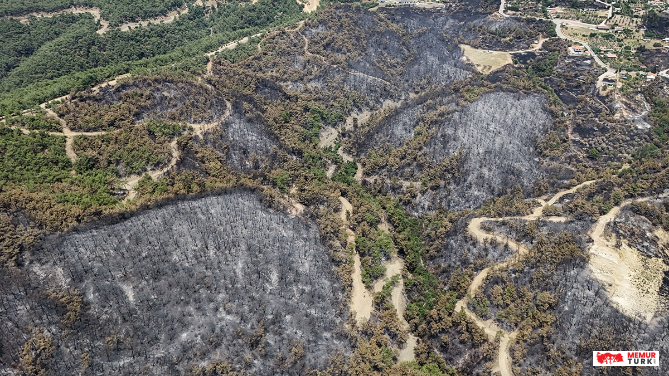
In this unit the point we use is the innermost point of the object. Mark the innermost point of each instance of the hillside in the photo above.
(206, 291)
(249, 188)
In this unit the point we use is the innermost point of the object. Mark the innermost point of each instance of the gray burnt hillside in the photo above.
(190, 283)
(497, 135)
(399, 82)
(410, 171)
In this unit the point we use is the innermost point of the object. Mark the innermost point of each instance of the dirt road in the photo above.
(131, 181)
(610, 72)
(502, 7)
(104, 24)
(474, 229)
(614, 265)
(362, 299)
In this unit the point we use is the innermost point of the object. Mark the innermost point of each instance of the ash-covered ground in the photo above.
(215, 279)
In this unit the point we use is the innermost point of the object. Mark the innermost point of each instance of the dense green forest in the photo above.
(21, 41)
(37, 162)
(51, 56)
(115, 11)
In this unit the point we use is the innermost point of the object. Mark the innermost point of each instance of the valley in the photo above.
(335, 189)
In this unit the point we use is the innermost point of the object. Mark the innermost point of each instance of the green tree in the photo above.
(593, 153)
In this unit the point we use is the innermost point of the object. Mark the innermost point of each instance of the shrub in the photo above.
(593, 153)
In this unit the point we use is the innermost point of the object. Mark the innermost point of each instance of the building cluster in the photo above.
(400, 2)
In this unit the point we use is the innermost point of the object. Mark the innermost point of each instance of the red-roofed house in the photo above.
(603, 27)
(612, 56)
(619, 29)
(577, 49)
(651, 76)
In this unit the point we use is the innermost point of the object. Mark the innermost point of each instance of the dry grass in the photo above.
(486, 61)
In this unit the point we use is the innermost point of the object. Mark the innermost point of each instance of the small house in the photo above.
(619, 29)
(651, 76)
(577, 49)
(609, 81)
(611, 56)
(603, 27)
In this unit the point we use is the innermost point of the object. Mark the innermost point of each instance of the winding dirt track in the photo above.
(232, 45)
(601, 245)
(309, 6)
(130, 181)
(198, 130)
(104, 24)
(130, 184)
(362, 300)
(632, 280)
(474, 229)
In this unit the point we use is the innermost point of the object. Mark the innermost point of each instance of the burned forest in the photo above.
(330, 188)
(175, 286)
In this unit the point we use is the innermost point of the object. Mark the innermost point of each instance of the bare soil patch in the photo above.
(486, 61)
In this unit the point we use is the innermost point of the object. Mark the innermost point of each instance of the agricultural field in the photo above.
(525, 8)
(595, 17)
